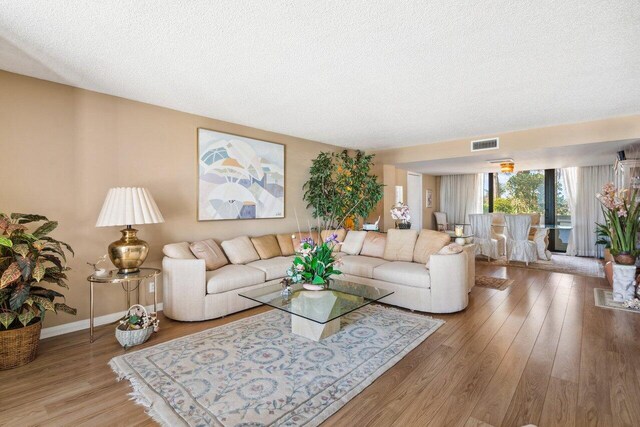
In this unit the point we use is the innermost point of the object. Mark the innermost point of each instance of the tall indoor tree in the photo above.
(342, 188)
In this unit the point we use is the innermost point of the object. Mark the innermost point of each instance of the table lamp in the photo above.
(128, 206)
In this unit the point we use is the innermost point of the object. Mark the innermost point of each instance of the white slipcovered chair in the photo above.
(519, 247)
(497, 232)
(485, 244)
(441, 221)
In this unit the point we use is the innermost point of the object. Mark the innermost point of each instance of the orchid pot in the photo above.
(625, 258)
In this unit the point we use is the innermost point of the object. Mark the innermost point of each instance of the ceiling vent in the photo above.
(485, 144)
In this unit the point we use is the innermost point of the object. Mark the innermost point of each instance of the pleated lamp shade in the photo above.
(129, 206)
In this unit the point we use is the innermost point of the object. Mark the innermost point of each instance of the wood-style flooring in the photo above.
(538, 352)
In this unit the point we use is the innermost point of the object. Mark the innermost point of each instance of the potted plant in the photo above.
(28, 259)
(621, 212)
(314, 263)
(341, 185)
(400, 213)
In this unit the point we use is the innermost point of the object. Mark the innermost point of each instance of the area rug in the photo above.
(581, 266)
(255, 372)
(604, 299)
(493, 282)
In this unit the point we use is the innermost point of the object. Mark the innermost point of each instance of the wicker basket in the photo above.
(19, 346)
(129, 338)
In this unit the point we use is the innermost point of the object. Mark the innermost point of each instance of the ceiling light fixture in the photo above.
(507, 167)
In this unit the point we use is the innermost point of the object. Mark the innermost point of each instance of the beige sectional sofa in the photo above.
(202, 281)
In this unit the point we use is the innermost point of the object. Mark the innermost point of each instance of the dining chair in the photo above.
(519, 247)
(441, 221)
(485, 244)
(497, 232)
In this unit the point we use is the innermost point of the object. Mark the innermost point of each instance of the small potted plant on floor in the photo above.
(314, 264)
(28, 259)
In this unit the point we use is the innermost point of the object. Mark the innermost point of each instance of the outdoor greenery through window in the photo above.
(519, 192)
(525, 192)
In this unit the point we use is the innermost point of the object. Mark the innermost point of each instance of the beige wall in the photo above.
(429, 182)
(63, 148)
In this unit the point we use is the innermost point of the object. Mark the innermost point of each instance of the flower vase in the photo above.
(312, 287)
(625, 258)
(403, 225)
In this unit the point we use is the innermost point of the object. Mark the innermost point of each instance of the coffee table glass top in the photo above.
(341, 298)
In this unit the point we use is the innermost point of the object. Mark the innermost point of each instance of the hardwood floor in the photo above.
(539, 352)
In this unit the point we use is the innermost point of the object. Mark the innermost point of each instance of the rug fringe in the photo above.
(137, 395)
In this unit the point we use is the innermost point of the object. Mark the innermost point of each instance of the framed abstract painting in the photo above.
(239, 177)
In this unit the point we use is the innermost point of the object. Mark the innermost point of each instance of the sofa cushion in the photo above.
(210, 252)
(429, 242)
(266, 246)
(340, 235)
(286, 244)
(298, 237)
(178, 250)
(404, 273)
(374, 244)
(233, 276)
(240, 250)
(273, 268)
(400, 245)
(353, 242)
(359, 265)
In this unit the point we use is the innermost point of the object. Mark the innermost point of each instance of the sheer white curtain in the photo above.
(582, 185)
(460, 195)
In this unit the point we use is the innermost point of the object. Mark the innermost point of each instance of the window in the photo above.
(562, 214)
(519, 192)
(540, 191)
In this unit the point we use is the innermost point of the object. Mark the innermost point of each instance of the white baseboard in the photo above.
(84, 324)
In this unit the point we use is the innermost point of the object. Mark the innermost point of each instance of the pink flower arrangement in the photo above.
(622, 212)
(400, 212)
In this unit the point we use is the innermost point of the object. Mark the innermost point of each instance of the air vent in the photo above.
(485, 144)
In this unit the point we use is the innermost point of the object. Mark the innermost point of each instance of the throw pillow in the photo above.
(400, 245)
(210, 252)
(240, 250)
(266, 246)
(450, 249)
(374, 244)
(297, 238)
(178, 250)
(353, 242)
(286, 244)
(341, 234)
(429, 242)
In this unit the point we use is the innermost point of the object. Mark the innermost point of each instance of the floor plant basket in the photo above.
(19, 346)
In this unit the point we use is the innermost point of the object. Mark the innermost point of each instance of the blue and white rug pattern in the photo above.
(255, 372)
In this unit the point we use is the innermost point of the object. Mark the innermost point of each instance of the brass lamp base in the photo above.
(128, 253)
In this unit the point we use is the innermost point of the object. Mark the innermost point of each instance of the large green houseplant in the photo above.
(342, 188)
(28, 259)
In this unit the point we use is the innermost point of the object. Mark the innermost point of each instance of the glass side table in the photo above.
(125, 280)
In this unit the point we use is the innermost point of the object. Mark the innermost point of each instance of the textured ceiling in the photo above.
(361, 74)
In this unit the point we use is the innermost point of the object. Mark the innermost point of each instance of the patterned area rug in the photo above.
(604, 299)
(493, 282)
(255, 372)
(581, 266)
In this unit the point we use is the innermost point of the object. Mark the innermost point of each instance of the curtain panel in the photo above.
(583, 183)
(460, 195)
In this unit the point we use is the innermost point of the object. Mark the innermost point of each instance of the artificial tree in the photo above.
(341, 187)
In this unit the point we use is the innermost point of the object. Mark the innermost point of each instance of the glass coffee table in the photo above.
(316, 314)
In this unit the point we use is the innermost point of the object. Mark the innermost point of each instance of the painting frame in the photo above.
(429, 199)
(199, 187)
